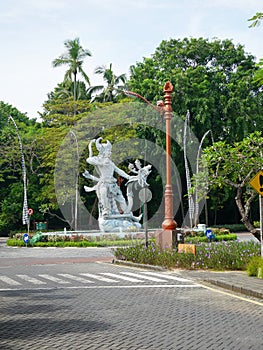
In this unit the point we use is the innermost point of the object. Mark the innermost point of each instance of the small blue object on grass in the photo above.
(210, 235)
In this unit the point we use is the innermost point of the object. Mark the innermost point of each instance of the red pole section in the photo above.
(169, 222)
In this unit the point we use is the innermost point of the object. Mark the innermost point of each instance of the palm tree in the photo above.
(73, 58)
(113, 87)
(65, 90)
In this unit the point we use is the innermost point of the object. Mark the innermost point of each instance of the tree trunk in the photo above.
(244, 211)
(75, 92)
(75, 86)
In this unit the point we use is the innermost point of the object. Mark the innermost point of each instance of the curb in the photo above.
(235, 288)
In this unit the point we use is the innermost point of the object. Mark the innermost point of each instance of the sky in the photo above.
(121, 32)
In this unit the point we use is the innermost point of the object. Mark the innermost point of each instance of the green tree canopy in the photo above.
(211, 79)
(256, 21)
(11, 177)
(233, 167)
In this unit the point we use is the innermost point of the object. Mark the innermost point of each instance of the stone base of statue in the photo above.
(119, 223)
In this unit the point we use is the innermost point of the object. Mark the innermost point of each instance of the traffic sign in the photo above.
(26, 238)
(257, 182)
(41, 226)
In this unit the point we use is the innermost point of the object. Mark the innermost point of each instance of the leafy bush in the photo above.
(219, 238)
(15, 242)
(152, 255)
(226, 255)
(216, 256)
(255, 267)
(232, 227)
(220, 231)
(191, 233)
(70, 241)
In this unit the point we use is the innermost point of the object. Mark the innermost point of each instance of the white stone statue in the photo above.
(114, 212)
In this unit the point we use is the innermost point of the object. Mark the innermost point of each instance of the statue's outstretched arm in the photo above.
(121, 173)
(90, 147)
(92, 160)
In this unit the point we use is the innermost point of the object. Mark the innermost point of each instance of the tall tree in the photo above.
(211, 79)
(11, 167)
(232, 166)
(73, 58)
(255, 22)
(114, 84)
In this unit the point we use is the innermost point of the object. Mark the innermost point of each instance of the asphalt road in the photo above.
(73, 298)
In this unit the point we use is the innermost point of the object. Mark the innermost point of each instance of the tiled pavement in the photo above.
(141, 310)
(64, 312)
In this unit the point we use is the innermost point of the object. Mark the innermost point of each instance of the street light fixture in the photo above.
(164, 238)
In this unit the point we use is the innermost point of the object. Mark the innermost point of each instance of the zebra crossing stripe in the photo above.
(108, 277)
(30, 279)
(166, 276)
(154, 279)
(54, 279)
(75, 278)
(130, 279)
(99, 278)
(9, 281)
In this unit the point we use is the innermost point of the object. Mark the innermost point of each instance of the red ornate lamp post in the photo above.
(168, 223)
(164, 237)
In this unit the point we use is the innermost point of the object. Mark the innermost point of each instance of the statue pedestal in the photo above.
(119, 223)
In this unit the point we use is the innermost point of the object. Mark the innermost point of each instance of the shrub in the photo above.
(232, 227)
(219, 238)
(71, 241)
(255, 267)
(220, 231)
(226, 255)
(216, 256)
(15, 242)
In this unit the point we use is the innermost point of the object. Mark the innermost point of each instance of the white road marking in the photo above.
(30, 279)
(233, 295)
(114, 275)
(166, 276)
(75, 278)
(99, 278)
(154, 279)
(54, 279)
(108, 277)
(9, 280)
